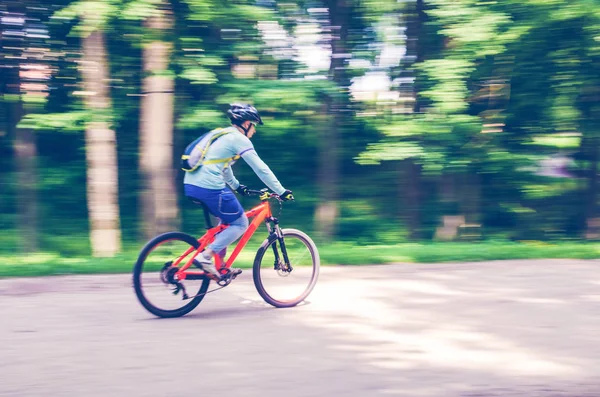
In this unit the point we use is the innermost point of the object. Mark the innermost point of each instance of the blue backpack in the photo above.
(194, 154)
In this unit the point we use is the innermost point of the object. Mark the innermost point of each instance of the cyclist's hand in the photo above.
(287, 195)
(243, 190)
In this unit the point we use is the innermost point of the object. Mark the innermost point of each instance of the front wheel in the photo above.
(285, 274)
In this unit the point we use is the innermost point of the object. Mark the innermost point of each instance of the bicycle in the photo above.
(169, 256)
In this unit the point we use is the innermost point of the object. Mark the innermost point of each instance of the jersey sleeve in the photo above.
(262, 171)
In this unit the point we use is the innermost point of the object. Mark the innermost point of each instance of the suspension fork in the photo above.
(284, 251)
(276, 230)
(273, 231)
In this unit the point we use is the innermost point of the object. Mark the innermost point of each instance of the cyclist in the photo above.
(207, 183)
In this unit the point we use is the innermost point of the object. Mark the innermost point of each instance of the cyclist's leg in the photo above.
(233, 232)
(230, 212)
(224, 205)
(210, 199)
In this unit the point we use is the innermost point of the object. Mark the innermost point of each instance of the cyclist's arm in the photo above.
(262, 170)
(229, 178)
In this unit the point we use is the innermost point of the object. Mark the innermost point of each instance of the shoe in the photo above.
(208, 266)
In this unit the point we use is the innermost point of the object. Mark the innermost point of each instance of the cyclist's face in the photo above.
(252, 130)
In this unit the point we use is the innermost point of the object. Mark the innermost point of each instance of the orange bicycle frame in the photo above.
(260, 213)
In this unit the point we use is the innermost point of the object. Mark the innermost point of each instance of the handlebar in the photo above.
(264, 194)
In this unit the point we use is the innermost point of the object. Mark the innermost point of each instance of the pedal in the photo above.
(228, 276)
(224, 281)
(235, 273)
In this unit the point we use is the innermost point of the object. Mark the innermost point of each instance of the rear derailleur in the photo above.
(167, 276)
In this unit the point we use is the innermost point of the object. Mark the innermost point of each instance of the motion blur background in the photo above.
(392, 121)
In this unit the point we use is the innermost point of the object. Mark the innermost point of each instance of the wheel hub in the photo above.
(283, 270)
(168, 272)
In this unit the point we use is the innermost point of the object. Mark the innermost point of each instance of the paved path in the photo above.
(511, 328)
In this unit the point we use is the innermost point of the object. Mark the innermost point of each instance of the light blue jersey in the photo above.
(215, 176)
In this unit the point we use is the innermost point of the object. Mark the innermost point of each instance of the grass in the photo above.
(341, 253)
(346, 254)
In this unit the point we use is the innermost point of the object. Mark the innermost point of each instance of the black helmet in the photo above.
(240, 112)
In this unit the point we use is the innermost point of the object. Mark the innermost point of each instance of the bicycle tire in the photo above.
(137, 273)
(288, 234)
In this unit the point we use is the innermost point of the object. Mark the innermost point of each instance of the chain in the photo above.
(207, 292)
(228, 279)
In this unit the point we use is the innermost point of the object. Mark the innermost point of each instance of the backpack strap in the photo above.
(227, 160)
(231, 160)
(219, 132)
(224, 160)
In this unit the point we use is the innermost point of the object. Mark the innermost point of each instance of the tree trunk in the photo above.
(25, 150)
(159, 197)
(592, 224)
(412, 198)
(337, 106)
(328, 176)
(469, 189)
(410, 174)
(101, 151)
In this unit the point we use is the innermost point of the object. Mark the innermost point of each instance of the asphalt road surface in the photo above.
(493, 329)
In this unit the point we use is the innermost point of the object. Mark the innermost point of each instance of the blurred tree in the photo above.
(410, 178)
(102, 186)
(336, 106)
(575, 86)
(158, 194)
(14, 49)
(100, 138)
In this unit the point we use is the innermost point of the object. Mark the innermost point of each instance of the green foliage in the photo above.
(140, 9)
(199, 76)
(378, 152)
(64, 122)
(568, 141)
(449, 91)
(498, 87)
(201, 118)
(94, 14)
(508, 86)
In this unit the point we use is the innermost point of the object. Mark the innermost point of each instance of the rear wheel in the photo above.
(284, 283)
(153, 277)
